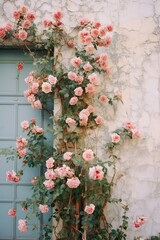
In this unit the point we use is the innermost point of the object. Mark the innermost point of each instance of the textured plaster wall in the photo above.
(135, 60)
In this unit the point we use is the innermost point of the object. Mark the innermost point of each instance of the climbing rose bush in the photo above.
(75, 182)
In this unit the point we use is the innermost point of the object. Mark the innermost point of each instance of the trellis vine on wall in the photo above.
(75, 181)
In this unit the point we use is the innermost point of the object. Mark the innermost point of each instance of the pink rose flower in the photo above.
(99, 120)
(37, 129)
(72, 76)
(79, 79)
(11, 176)
(78, 91)
(73, 101)
(94, 32)
(43, 208)
(58, 15)
(64, 171)
(50, 174)
(37, 104)
(96, 24)
(89, 48)
(26, 24)
(2, 32)
(90, 108)
(49, 184)
(20, 66)
(76, 62)
(70, 43)
(8, 27)
(87, 67)
(109, 28)
(84, 112)
(135, 133)
(103, 99)
(88, 155)
(22, 152)
(50, 162)
(84, 21)
(67, 156)
(73, 182)
(102, 31)
(90, 88)
(96, 173)
(129, 125)
(25, 125)
(31, 16)
(118, 94)
(31, 99)
(52, 80)
(22, 225)
(34, 179)
(46, 87)
(89, 209)
(21, 142)
(22, 34)
(93, 79)
(16, 14)
(115, 138)
(12, 212)
(23, 9)
(70, 121)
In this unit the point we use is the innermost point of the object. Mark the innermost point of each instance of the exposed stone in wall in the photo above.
(135, 57)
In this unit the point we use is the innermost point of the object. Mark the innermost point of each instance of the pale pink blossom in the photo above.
(90, 88)
(37, 104)
(90, 108)
(135, 133)
(37, 129)
(87, 67)
(78, 91)
(70, 43)
(12, 176)
(67, 156)
(73, 182)
(22, 34)
(109, 28)
(58, 15)
(84, 112)
(94, 32)
(96, 24)
(89, 209)
(139, 222)
(50, 162)
(84, 21)
(99, 120)
(115, 138)
(31, 16)
(73, 101)
(70, 121)
(2, 32)
(93, 79)
(29, 79)
(46, 87)
(22, 152)
(45, 23)
(16, 14)
(22, 225)
(89, 48)
(79, 79)
(50, 174)
(8, 27)
(64, 171)
(43, 208)
(12, 212)
(35, 87)
(26, 24)
(129, 125)
(72, 76)
(83, 120)
(103, 99)
(21, 142)
(23, 9)
(102, 31)
(31, 98)
(85, 36)
(25, 124)
(52, 80)
(76, 61)
(88, 155)
(49, 184)
(96, 172)
(103, 57)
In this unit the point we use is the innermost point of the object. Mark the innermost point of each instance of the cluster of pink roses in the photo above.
(12, 176)
(35, 85)
(57, 17)
(127, 126)
(21, 143)
(139, 222)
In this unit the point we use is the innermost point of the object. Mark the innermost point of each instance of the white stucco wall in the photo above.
(135, 56)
